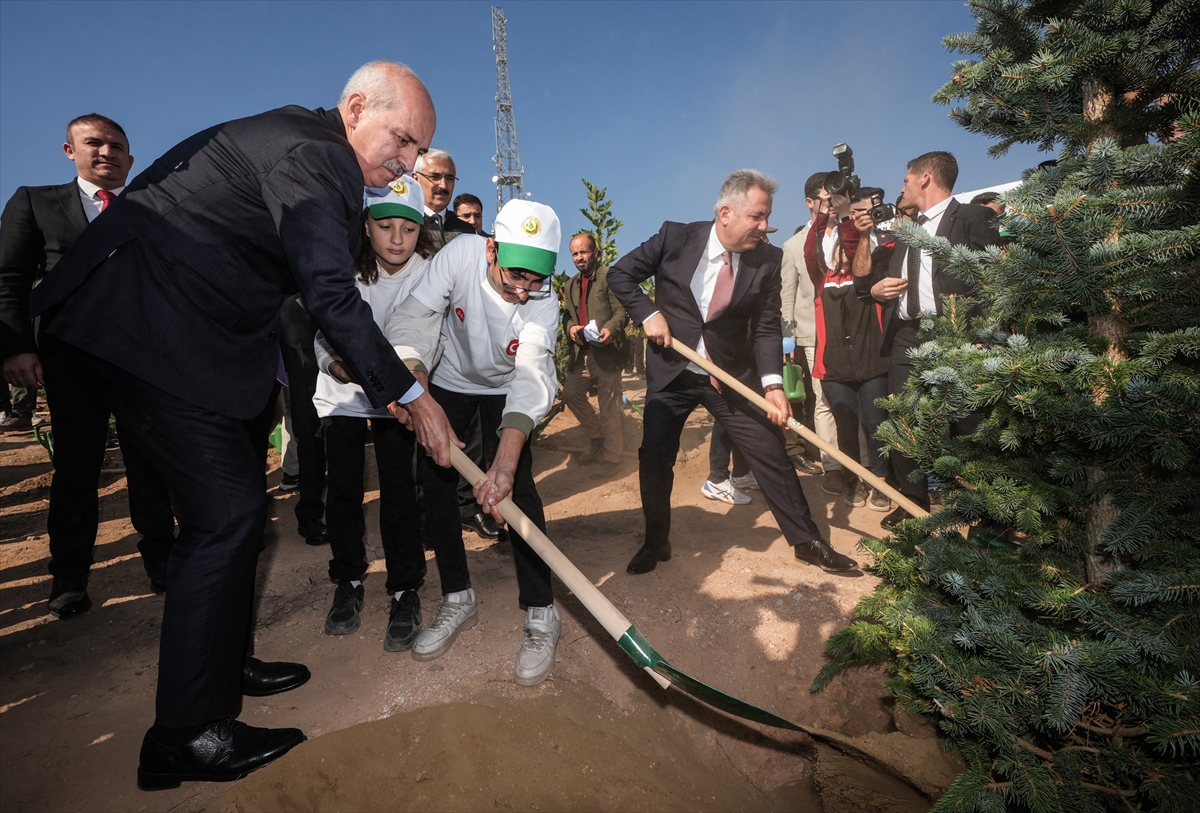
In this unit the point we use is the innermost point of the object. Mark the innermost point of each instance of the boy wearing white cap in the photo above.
(392, 260)
(487, 306)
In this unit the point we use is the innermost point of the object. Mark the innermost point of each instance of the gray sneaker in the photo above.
(457, 612)
(536, 658)
(744, 483)
(879, 501)
(856, 493)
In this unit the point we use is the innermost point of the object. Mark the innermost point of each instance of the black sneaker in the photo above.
(404, 622)
(289, 483)
(343, 615)
(834, 482)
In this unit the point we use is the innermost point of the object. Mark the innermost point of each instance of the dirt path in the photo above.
(732, 607)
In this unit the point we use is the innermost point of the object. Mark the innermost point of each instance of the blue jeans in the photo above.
(850, 399)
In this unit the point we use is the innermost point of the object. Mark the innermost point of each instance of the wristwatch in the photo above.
(770, 387)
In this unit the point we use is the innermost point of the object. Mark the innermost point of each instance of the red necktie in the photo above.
(722, 293)
(106, 198)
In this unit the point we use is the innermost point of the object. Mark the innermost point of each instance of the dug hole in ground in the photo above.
(732, 608)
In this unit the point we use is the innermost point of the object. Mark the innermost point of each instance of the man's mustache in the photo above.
(395, 166)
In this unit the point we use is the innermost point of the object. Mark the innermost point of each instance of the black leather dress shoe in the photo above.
(806, 466)
(820, 553)
(260, 679)
(222, 752)
(315, 533)
(68, 598)
(895, 518)
(648, 557)
(483, 525)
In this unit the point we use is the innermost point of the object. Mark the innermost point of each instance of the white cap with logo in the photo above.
(528, 235)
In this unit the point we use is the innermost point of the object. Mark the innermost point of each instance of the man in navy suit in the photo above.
(170, 302)
(919, 282)
(717, 289)
(39, 224)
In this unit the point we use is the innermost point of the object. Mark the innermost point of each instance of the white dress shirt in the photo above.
(704, 283)
(925, 300)
(91, 203)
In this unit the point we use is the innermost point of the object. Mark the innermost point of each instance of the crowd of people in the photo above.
(322, 256)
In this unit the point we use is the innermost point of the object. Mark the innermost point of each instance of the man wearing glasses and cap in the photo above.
(479, 331)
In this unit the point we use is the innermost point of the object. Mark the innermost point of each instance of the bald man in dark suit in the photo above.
(170, 304)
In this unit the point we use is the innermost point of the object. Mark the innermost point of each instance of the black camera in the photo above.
(881, 212)
(844, 181)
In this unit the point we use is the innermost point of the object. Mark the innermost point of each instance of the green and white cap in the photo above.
(527, 236)
(403, 197)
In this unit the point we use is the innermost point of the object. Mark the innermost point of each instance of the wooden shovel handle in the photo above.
(799, 428)
(612, 619)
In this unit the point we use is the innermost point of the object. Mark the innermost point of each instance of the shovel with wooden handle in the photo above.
(613, 620)
(635, 644)
(799, 428)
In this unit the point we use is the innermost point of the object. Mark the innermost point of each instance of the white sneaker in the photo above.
(746, 482)
(457, 612)
(536, 658)
(723, 492)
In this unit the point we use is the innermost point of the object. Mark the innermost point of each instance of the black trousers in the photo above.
(79, 416)
(212, 470)
(473, 437)
(399, 522)
(903, 469)
(759, 440)
(721, 451)
(301, 366)
(441, 496)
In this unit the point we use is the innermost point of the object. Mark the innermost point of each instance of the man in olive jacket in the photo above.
(595, 357)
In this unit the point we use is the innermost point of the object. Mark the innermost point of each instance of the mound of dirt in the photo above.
(568, 749)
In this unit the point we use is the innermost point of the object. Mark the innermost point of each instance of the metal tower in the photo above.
(509, 172)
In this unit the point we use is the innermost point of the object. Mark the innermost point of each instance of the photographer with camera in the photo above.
(848, 361)
(915, 282)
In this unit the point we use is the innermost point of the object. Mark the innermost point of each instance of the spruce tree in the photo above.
(1062, 659)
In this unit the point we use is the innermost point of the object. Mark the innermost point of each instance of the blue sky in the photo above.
(655, 101)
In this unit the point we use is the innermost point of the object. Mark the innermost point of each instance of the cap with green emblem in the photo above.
(527, 236)
(403, 197)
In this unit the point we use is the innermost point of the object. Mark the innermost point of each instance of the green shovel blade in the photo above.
(638, 648)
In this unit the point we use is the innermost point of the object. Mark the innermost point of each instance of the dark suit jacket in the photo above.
(603, 307)
(451, 225)
(745, 340)
(180, 280)
(39, 224)
(963, 224)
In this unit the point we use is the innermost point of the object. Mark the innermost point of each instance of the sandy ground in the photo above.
(733, 608)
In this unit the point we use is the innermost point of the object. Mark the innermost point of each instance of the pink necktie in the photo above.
(106, 198)
(722, 293)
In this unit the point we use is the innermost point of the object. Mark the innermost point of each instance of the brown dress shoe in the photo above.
(648, 558)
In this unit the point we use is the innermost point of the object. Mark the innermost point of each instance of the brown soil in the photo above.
(732, 608)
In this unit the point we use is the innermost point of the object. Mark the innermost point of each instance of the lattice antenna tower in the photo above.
(509, 172)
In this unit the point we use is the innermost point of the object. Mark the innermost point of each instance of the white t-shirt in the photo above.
(383, 295)
(488, 346)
